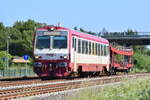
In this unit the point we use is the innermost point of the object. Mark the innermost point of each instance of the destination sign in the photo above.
(55, 33)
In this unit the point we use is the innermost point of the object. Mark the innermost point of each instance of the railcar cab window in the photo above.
(51, 39)
(43, 42)
(59, 42)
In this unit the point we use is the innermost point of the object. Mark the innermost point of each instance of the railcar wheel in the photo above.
(127, 71)
(97, 73)
(79, 71)
(104, 71)
(112, 71)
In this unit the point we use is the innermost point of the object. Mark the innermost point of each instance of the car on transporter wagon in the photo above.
(61, 52)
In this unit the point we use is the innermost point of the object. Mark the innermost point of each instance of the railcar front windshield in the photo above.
(43, 42)
(52, 40)
(59, 42)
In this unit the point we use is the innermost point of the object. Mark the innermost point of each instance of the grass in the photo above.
(137, 89)
(142, 62)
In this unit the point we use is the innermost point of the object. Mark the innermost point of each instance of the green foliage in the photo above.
(137, 89)
(1, 26)
(75, 28)
(128, 32)
(4, 54)
(143, 63)
(21, 37)
(3, 57)
(119, 57)
(88, 32)
(2, 65)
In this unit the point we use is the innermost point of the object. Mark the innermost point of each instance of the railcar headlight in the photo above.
(37, 57)
(52, 28)
(64, 57)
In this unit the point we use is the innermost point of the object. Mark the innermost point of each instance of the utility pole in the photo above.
(7, 60)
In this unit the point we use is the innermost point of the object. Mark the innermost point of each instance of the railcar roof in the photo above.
(77, 33)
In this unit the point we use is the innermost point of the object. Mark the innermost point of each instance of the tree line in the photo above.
(20, 36)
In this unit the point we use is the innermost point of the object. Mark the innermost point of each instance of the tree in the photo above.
(82, 30)
(3, 57)
(99, 34)
(1, 26)
(131, 32)
(22, 37)
(92, 33)
(104, 32)
(89, 32)
(19, 26)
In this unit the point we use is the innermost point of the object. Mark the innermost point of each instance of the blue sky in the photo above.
(114, 15)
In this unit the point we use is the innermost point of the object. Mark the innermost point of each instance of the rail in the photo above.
(62, 86)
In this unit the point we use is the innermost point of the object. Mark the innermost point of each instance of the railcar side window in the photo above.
(75, 46)
(98, 50)
(79, 46)
(107, 50)
(86, 47)
(83, 46)
(95, 48)
(92, 48)
(102, 50)
(89, 48)
(73, 42)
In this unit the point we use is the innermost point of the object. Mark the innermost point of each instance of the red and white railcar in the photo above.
(60, 52)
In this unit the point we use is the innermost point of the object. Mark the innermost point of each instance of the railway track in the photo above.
(27, 82)
(6, 82)
(19, 81)
(55, 86)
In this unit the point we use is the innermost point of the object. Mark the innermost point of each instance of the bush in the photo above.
(143, 63)
(2, 65)
(3, 58)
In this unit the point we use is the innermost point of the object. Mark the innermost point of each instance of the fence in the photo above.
(16, 73)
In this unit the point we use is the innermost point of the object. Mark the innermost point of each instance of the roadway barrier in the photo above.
(16, 73)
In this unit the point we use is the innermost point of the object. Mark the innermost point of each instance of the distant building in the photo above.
(19, 60)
